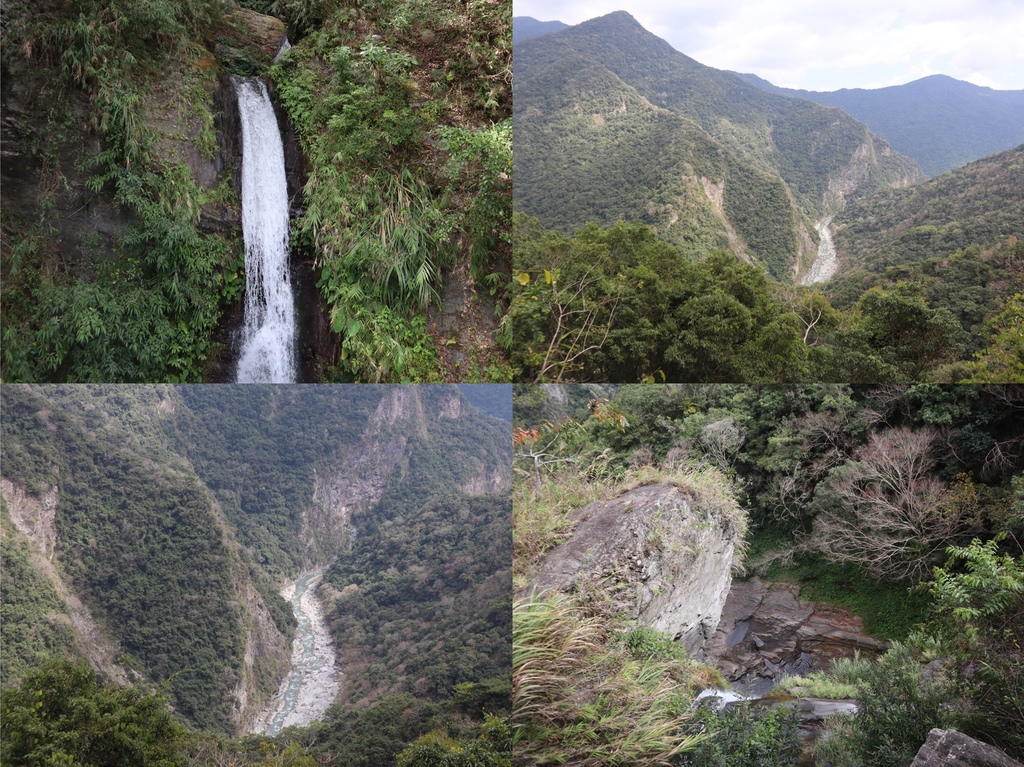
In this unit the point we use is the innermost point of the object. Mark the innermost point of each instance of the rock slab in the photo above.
(665, 561)
(767, 631)
(945, 748)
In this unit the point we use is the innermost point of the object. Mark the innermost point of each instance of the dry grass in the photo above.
(581, 699)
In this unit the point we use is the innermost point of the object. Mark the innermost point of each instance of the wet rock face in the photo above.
(767, 631)
(664, 561)
(945, 748)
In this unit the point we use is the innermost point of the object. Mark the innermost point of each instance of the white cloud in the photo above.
(826, 46)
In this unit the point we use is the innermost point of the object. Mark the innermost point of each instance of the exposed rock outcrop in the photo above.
(35, 518)
(265, 659)
(946, 748)
(767, 631)
(664, 559)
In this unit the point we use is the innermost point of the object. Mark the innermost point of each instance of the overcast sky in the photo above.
(824, 46)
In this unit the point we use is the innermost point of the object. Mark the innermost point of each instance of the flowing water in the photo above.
(825, 264)
(268, 336)
(311, 685)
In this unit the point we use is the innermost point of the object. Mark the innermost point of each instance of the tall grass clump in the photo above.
(580, 698)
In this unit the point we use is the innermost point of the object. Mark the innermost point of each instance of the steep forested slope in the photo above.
(140, 540)
(981, 204)
(955, 239)
(149, 529)
(940, 122)
(423, 600)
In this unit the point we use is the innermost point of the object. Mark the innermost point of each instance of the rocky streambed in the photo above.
(767, 631)
(312, 684)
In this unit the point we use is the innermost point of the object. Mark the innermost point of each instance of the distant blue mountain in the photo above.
(941, 122)
(527, 27)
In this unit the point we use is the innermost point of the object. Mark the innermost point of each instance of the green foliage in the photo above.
(63, 714)
(979, 613)
(644, 642)
(380, 344)
(148, 312)
(407, 178)
(134, 541)
(435, 749)
(1003, 359)
(35, 620)
(741, 736)
(481, 699)
(424, 596)
(375, 734)
(898, 704)
(618, 305)
(908, 332)
(484, 158)
(977, 205)
(236, 444)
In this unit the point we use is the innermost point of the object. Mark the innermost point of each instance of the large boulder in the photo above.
(664, 557)
(946, 748)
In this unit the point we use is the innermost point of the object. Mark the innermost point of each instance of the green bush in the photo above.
(63, 714)
(742, 736)
(899, 703)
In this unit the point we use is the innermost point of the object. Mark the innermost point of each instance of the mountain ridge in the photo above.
(940, 121)
(527, 27)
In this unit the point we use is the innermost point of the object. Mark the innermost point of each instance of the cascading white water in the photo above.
(268, 336)
(285, 46)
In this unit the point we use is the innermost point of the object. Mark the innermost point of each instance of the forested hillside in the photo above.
(902, 504)
(669, 207)
(612, 123)
(619, 304)
(122, 255)
(940, 122)
(148, 530)
(979, 205)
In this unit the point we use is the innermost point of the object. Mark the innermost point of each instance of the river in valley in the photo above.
(825, 264)
(312, 684)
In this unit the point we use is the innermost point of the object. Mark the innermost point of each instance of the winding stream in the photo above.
(312, 684)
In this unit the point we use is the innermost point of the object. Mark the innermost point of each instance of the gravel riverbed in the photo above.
(312, 683)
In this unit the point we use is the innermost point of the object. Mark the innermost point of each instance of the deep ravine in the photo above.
(312, 684)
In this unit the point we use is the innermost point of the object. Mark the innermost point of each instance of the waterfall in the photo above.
(268, 336)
